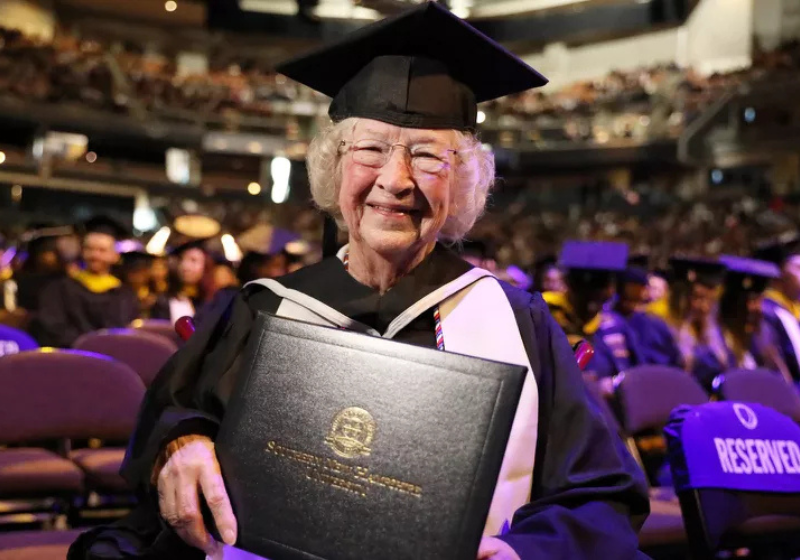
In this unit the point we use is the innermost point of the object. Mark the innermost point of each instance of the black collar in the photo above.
(329, 282)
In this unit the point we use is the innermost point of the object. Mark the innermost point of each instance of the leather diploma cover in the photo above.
(344, 446)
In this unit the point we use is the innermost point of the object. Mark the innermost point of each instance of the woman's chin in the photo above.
(391, 244)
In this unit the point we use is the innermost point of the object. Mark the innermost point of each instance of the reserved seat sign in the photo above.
(735, 446)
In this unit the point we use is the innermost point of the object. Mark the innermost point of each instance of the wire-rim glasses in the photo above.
(425, 158)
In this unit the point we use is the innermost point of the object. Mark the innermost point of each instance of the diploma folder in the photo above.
(342, 446)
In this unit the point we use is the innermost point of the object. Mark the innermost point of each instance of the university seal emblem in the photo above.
(351, 433)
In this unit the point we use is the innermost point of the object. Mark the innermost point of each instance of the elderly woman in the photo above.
(402, 172)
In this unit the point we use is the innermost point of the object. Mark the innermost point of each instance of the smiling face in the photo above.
(395, 210)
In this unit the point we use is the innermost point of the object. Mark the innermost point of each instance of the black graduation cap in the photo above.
(708, 272)
(778, 250)
(477, 248)
(106, 225)
(749, 275)
(634, 275)
(423, 68)
(639, 260)
(201, 244)
(544, 262)
(134, 260)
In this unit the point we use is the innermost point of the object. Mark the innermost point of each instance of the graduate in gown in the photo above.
(41, 264)
(781, 304)
(401, 170)
(591, 269)
(547, 277)
(93, 298)
(653, 337)
(135, 271)
(694, 297)
(191, 284)
(740, 314)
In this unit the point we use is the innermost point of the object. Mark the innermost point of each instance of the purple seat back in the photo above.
(647, 395)
(760, 386)
(53, 394)
(161, 327)
(14, 340)
(145, 352)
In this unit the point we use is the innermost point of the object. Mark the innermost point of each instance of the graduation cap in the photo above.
(594, 263)
(423, 68)
(779, 250)
(601, 256)
(105, 225)
(639, 260)
(634, 275)
(544, 262)
(136, 260)
(201, 244)
(750, 275)
(477, 248)
(708, 272)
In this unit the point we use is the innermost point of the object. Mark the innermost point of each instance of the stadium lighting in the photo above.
(171, 5)
(158, 242)
(232, 251)
(280, 169)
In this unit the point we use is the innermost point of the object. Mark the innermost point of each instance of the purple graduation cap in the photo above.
(602, 256)
(750, 275)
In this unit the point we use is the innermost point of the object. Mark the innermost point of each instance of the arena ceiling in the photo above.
(522, 24)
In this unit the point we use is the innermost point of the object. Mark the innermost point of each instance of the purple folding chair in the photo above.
(145, 352)
(13, 341)
(161, 327)
(60, 395)
(645, 396)
(760, 386)
(733, 499)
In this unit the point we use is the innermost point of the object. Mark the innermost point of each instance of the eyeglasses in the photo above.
(425, 158)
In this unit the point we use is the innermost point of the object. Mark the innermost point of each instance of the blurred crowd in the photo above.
(522, 232)
(699, 312)
(636, 105)
(61, 282)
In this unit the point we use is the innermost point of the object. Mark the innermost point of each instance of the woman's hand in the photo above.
(192, 465)
(495, 549)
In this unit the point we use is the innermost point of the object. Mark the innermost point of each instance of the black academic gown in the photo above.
(68, 309)
(588, 495)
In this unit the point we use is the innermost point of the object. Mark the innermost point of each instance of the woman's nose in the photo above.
(396, 175)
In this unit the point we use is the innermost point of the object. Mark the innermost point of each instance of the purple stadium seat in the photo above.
(760, 386)
(647, 394)
(725, 509)
(161, 327)
(144, 352)
(36, 545)
(14, 340)
(63, 394)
